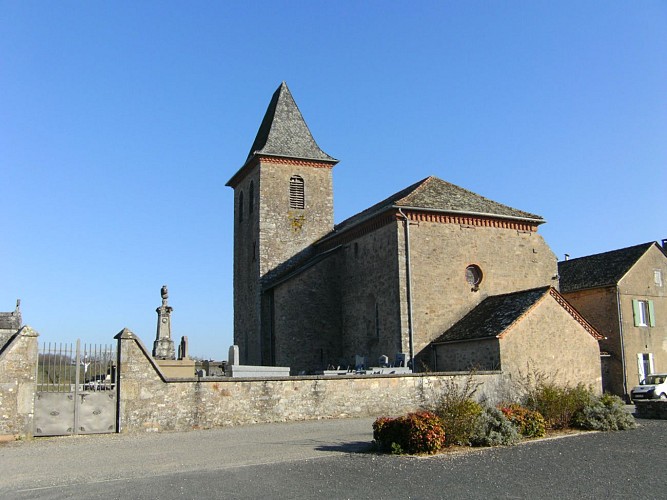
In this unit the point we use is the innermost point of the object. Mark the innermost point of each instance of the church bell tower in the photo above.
(283, 203)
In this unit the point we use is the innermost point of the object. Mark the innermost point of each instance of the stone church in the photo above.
(391, 280)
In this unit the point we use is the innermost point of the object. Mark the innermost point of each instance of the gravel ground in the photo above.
(328, 459)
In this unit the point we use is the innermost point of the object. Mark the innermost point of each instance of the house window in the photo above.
(296, 195)
(241, 206)
(251, 197)
(645, 365)
(657, 277)
(473, 275)
(644, 312)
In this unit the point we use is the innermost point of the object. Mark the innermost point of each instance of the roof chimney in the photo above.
(664, 243)
(567, 256)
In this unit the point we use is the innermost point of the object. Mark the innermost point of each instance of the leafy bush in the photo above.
(458, 419)
(493, 428)
(604, 413)
(458, 411)
(419, 432)
(529, 423)
(386, 433)
(557, 404)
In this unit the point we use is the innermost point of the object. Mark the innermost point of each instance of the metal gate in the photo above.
(76, 390)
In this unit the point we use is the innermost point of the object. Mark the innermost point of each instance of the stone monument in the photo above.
(163, 347)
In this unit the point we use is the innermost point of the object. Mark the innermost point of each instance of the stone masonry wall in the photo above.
(246, 270)
(656, 409)
(639, 284)
(307, 318)
(550, 341)
(464, 356)
(18, 368)
(547, 340)
(600, 308)
(149, 402)
(270, 236)
(284, 232)
(370, 299)
(510, 261)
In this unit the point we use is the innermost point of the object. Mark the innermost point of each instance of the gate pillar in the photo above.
(18, 366)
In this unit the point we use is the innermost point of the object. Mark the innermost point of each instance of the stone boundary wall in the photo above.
(18, 370)
(149, 401)
(652, 409)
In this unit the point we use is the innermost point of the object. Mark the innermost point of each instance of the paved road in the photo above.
(326, 459)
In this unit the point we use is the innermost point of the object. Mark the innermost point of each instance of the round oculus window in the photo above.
(473, 275)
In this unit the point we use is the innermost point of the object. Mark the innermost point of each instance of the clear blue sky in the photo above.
(120, 123)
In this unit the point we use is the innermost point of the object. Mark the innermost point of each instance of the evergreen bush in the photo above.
(493, 428)
(604, 413)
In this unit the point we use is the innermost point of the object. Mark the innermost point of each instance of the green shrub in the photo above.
(493, 428)
(458, 419)
(457, 410)
(419, 432)
(529, 423)
(604, 413)
(557, 404)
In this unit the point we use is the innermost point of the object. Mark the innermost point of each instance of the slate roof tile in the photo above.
(602, 269)
(284, 132)
(493, 316)
(435, 194)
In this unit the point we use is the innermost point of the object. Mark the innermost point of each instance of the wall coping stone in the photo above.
(127, 334)
(330, 377)
(25, 331)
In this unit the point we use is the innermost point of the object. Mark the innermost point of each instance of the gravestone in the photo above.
(359, 362)
(401, 359)
(183, 348)
(233, 358)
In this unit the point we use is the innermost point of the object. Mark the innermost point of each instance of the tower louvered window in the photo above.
(296, 195)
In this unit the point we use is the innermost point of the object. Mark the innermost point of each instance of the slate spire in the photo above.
(284, 132)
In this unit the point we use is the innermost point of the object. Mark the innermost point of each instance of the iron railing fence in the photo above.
(76, 367)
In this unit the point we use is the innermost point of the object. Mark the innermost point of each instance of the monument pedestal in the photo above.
(164, 349)
(177, 368)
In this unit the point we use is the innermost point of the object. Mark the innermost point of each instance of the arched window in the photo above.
(251, 197)
(296, 196)
(241, 206)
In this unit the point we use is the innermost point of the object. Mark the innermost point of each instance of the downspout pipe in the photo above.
(626, 395)
(408, 277)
